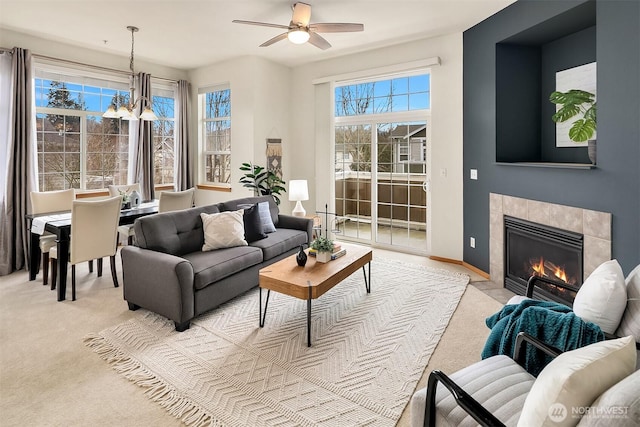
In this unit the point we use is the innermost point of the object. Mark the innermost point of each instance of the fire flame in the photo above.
(558, 272)
(539, 268)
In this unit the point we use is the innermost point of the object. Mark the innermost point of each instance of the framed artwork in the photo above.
(274, 156)
(584, 78)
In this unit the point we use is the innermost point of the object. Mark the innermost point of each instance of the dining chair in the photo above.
(117, 190)
(46, 202)
(94, 232)
(176, 200)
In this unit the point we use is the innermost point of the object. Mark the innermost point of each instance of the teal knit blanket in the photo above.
(553, 323)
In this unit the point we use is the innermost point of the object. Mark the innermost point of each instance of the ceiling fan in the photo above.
(300, 31)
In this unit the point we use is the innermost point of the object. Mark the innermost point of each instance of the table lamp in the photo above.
(298, 191)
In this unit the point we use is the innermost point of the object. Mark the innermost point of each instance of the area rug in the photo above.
(368, 353)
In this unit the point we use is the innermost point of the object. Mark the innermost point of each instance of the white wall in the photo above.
(259, 110)
(309, 155)
(40, 46)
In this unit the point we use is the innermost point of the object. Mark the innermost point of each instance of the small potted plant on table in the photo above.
(323, 247)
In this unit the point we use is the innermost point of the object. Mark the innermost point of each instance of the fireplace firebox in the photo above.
(540, 250)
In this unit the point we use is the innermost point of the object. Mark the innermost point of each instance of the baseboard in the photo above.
(462, 263)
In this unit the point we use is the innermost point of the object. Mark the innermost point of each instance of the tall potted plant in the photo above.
(263, 182)
(580, 103)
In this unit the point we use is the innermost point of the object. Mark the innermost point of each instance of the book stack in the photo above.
(338, 251)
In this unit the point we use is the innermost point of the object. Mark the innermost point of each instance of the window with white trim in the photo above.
(215, 134)
(76, 146)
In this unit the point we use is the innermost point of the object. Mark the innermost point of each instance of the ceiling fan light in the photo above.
(298, 36)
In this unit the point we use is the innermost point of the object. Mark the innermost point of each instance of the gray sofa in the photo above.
(168, 273)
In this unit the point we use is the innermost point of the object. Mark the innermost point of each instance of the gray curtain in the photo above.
(183, 158)
(143, 142)
(21, 177)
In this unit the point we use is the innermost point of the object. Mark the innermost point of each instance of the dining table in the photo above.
(59, 223)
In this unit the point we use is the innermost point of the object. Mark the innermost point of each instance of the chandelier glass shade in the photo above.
(128, 112)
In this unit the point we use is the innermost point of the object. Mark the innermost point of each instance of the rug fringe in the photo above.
(158, 390)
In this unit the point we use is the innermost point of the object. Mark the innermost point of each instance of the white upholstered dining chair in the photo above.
(94, 232)
(117, 190)
(176, 200)
(46, 202)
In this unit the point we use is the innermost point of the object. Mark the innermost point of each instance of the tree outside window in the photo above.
(78, 148)
(216, 135)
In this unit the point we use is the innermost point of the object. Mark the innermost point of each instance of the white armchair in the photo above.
(117, 190)
(45, 202)
(176, 200)
(94, 234)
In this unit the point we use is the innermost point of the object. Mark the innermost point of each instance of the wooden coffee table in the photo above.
(314, 279)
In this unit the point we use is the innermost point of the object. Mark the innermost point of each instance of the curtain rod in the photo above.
(95, 67)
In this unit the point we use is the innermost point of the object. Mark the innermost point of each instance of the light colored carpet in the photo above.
(48, 377)
(369, 351)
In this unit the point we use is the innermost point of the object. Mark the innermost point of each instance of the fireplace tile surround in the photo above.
(594, 225)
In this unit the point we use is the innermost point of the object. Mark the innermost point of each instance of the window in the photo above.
(383, 96)
(381, 131)
(77, 147)
(215, 134)
(164, 137)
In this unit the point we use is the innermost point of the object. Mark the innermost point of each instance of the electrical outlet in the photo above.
(472, 242)
(474, 173)
(443, 172)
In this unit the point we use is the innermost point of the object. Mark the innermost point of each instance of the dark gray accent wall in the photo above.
(614, 185)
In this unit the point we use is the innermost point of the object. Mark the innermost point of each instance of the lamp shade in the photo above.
(298, 190)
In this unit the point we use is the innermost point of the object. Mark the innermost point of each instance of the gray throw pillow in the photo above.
(265, 218)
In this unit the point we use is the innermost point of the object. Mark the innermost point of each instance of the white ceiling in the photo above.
(188, 34)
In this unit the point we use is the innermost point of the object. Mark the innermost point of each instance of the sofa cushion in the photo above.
(602, 298)
(574, 380)
(619, 406)
(630, 322)
(211, 266)
(176, 233)
(253, 224)
(232, 205)
(283, 240)
(223, 230)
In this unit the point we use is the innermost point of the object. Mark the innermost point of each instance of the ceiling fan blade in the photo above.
(260, 24)
(336, 27)
(274, 40)
(301, 14)
(318, 41)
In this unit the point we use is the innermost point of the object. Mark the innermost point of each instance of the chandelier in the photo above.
(127, 112)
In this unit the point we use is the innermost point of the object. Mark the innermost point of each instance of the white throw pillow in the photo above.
(223, 230)
(568, 385)
(265, 218)
(630, 322)
(602, 298)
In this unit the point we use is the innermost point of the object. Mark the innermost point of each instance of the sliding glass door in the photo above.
(382, 133)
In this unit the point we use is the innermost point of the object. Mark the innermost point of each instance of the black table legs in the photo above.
(262, 315)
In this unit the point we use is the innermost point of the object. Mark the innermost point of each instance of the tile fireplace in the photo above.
(571, 226)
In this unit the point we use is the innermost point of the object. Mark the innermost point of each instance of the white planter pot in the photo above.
(323, 256)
